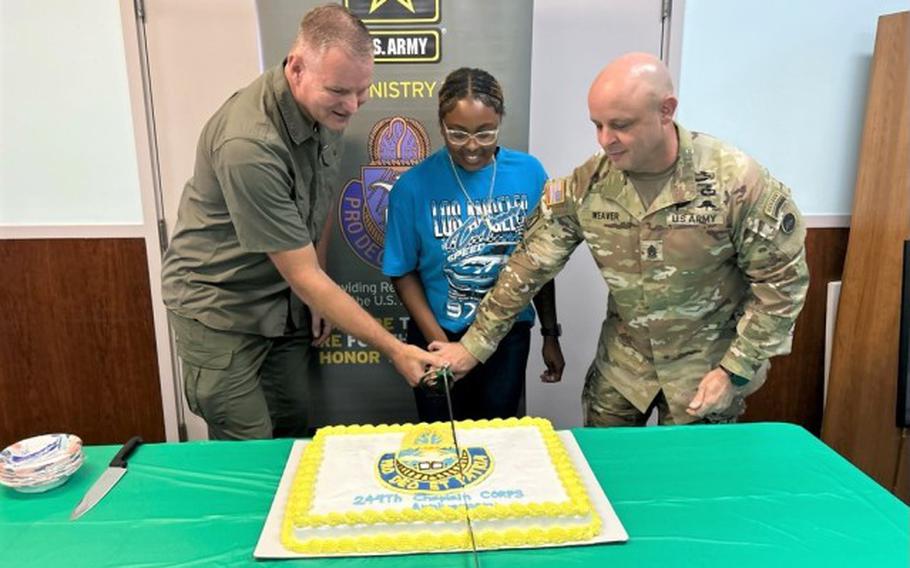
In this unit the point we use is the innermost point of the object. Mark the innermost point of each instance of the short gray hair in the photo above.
(333, 25)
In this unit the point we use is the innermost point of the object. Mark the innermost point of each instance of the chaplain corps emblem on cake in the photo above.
(429, 462)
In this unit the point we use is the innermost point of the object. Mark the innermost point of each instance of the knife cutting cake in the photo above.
(405, 488)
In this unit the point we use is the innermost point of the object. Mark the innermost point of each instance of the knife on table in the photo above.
(115, 470)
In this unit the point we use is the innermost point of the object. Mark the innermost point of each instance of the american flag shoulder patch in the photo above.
(555, 192)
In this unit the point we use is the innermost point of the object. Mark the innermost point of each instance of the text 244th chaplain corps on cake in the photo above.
(405, 489)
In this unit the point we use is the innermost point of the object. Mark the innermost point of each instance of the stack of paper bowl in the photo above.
(40, 463)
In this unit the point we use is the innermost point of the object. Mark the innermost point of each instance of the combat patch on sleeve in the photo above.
(788, 223)
(779, 220)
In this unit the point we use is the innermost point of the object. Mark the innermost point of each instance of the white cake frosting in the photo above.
(399, 489)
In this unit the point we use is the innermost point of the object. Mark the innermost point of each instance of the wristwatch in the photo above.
(737, 380)
(551, 331)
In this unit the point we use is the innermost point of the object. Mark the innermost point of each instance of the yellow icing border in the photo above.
(301, 497)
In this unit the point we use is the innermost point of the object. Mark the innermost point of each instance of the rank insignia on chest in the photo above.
(652, 250)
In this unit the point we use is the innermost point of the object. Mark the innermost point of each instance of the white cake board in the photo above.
(269, 545)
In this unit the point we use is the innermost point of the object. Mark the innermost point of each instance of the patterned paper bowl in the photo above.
(40, 463)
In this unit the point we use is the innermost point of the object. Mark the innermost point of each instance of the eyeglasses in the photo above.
(460, 137)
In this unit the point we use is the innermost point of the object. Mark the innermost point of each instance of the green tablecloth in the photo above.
(737, 495)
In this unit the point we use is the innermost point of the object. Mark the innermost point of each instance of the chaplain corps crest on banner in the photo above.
(429, 462)
(395, 144)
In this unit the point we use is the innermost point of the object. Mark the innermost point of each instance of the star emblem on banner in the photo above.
(408, 5)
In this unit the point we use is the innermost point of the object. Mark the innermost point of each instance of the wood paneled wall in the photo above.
(795, 388)
(77, 341)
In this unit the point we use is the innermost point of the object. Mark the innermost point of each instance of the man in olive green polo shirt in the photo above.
(243, 248)
(701, 248)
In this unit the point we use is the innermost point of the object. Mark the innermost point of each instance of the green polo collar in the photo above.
(299, 124)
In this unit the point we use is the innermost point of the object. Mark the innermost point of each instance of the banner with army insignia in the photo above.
(416, 43)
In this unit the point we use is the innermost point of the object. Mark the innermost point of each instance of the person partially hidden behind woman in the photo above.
(453, 221)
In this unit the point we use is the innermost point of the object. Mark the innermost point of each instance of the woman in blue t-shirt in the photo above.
(453, 221)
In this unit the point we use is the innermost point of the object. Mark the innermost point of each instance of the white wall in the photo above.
(785, 81)
(200, 53)
(66, 137)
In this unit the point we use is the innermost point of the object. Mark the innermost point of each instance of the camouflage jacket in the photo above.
(713, 272)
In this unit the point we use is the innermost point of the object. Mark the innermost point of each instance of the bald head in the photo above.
(631, 102)
(639, 75)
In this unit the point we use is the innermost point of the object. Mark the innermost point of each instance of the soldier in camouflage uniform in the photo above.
(701, 248)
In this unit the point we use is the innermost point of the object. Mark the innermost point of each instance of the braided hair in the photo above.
(468, 82)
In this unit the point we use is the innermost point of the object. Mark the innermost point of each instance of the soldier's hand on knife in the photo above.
(459, 359)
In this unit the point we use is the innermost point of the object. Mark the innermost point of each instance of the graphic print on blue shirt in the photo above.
(477, 249)
(457, 251)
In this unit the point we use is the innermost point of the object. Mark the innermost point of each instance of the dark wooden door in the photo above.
(77, 342)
